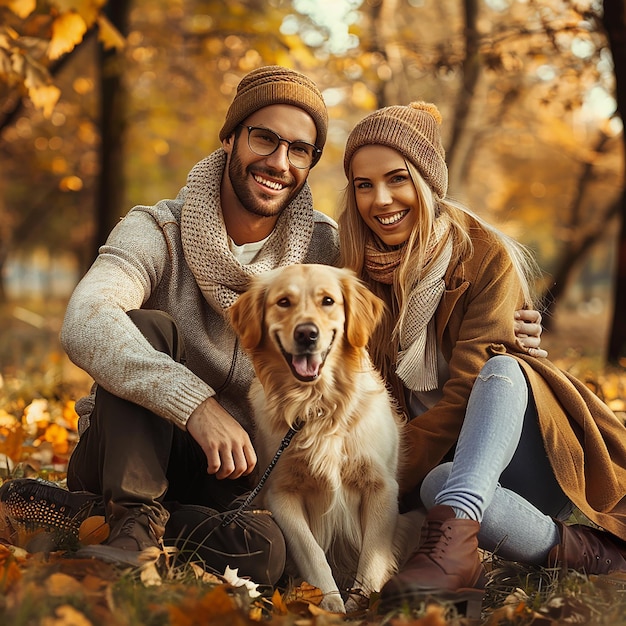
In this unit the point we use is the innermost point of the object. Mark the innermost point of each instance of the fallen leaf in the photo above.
(314, 609)
(6, 465)
(94, 584)
(66, 615)
(6, 552)
(306, 593)
(256, 614)
(58, 436)
(59, 585)
(231, 577)
(567, 610)
(93, 531)
(10, 574)
(37, 413)
(204, 576)
(278, 603)
(215, 607)
(13, 443)
(150, 576)
(70, 416)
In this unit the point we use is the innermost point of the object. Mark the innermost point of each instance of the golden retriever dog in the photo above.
(334, 490)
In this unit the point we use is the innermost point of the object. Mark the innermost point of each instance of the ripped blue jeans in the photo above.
(500, 475)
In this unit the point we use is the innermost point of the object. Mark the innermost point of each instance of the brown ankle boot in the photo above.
(446, 565)
(588, 550)
(134, 528)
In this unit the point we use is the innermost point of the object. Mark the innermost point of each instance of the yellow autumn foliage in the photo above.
(108, 35)
(67, 31)
(21, 8)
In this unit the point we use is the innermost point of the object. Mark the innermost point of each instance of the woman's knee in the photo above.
(505, 366)
(434, 483)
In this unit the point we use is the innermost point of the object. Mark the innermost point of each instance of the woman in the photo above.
(502, 446)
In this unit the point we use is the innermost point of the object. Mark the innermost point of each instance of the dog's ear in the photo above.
(246, 316)
(364, 311)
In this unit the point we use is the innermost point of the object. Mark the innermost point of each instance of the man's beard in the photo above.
(239, 181)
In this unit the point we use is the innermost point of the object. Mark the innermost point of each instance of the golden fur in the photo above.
(334, 490)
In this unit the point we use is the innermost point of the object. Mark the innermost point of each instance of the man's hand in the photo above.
(227, 446)
(528, 331)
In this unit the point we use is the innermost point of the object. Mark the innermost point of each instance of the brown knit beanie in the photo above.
(274, 84)
(413, 131)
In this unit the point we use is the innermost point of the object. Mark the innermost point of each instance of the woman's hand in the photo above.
(528, 331)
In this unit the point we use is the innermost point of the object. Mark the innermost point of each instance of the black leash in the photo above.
(255, 492)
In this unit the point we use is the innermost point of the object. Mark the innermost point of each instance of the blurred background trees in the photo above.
(104, 105)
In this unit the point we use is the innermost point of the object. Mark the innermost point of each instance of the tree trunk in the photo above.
(377, 12)
(110, 184)
(585, 236)
(12, 107)
(3, 259)
(471, 72)
(614, 21)
(571, 259)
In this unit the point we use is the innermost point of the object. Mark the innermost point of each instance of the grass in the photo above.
(55, 590)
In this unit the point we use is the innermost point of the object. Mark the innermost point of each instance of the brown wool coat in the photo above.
(584, 440)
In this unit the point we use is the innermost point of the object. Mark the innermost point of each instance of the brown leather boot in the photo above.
(588, 550)
(136, 536)
(446, 566)
(133, 529)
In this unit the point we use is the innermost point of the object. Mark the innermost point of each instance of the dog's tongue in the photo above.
(306, 365)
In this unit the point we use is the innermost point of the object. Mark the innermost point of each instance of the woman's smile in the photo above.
(391, 220)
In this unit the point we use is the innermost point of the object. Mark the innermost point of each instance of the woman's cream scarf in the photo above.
(416, 363)
(218, 273)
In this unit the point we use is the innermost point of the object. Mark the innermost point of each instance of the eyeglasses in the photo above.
(264, 142)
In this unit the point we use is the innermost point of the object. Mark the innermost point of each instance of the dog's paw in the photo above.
(356, 603)
(332, 602)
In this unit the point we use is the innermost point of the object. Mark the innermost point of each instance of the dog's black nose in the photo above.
(306, 335)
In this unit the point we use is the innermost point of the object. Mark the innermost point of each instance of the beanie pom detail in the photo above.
(429, 107)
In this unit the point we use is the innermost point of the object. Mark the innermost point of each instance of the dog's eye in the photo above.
(284, 303)
(327, 301)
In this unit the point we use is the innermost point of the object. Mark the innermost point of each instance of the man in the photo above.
(165, 440)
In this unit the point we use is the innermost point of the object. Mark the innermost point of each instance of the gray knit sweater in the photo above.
(143, 265)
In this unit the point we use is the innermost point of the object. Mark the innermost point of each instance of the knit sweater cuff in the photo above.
(184, 399)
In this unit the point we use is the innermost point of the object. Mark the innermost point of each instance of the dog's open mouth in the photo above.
(305, 366)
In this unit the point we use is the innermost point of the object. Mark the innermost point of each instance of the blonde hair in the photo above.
(354, 234)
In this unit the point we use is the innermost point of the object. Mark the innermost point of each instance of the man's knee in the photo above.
(161, 330)
(252, 544)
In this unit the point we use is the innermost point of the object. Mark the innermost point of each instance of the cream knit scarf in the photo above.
(416, 364)
(218, 273)
(417, 359)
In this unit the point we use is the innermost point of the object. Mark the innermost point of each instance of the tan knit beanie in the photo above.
(413, 131)
(274, 84)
